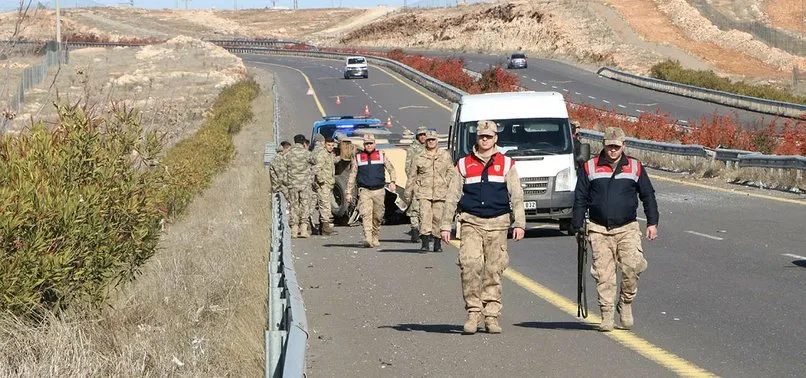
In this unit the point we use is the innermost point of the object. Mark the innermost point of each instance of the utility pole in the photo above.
(58, 24)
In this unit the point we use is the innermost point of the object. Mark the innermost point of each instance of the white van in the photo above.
(533, 129)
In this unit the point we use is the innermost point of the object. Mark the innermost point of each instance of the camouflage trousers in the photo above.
(300, 204)
(324, 195)
(620, 245)
(482, 258)
(431, 217)
(370, 206)
(414, 212)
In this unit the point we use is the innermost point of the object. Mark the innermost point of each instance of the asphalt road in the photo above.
(586, 87)
(723, 292)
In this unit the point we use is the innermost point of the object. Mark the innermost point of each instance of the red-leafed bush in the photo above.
(497, 79)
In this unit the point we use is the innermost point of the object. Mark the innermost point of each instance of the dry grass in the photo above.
(199, 308)
(767, 178)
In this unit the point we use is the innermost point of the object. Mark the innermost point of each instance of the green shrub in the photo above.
(81, 205)
(191, 164)
(673, 71)
(78, 209)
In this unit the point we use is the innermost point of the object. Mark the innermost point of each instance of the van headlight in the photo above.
(565, 181)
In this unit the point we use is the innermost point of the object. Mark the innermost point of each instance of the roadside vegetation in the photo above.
(673, 71)
(103, 274)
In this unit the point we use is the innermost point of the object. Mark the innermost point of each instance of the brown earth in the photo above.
(172, 84)
(642, 33)
(652, 24)
(787, 14)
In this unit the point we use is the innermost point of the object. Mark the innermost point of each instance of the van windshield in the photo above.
(520, 137)
(356, 61)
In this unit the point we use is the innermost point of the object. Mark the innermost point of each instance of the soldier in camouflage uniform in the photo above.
(429, 175)
(417, 146)
(488, 192)
(367, 170)
(607, 189)
(299, 176)
(325, 177)
(277, 172)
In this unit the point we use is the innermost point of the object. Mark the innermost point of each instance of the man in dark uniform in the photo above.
(608, 189)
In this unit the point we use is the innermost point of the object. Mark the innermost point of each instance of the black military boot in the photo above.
(426, 247)
(415, 235)
(437, 244)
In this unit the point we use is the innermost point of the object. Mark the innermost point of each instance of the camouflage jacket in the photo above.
(429, 175)
(324, 168)
(277, 173)
(502, 222)
(299, 164)
(412, 151)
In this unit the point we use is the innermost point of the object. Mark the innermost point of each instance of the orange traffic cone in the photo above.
(338, 100)
(366, 109)
(389, 122)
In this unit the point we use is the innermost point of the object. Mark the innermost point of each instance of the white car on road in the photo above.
(356, 66)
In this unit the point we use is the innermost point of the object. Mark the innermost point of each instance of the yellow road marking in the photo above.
(307, 80)
(764, 196)
(446, 107)
(624, 337)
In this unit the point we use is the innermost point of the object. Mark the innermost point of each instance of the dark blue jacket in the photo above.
(611, 196)
(485, 193)
(370, 170)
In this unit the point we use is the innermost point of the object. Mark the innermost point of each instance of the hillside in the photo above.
(631, 34)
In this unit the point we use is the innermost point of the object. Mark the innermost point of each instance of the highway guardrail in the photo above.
(719, 97)
(286, 335)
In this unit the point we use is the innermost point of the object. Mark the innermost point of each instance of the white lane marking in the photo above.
(535, 80)
(704, 235)
(554, 86)
(565, 90)
(577, 93)
(412, 107)
(622, 106)
(525, 77)
(591, 97)
(640, 104)
(794, 256)
(543, 83)
(605, 101)
(639, 110)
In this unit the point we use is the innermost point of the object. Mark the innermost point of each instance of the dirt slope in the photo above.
(787, 14)
(631, 34)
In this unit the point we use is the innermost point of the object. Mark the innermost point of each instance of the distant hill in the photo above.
(6, 7)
